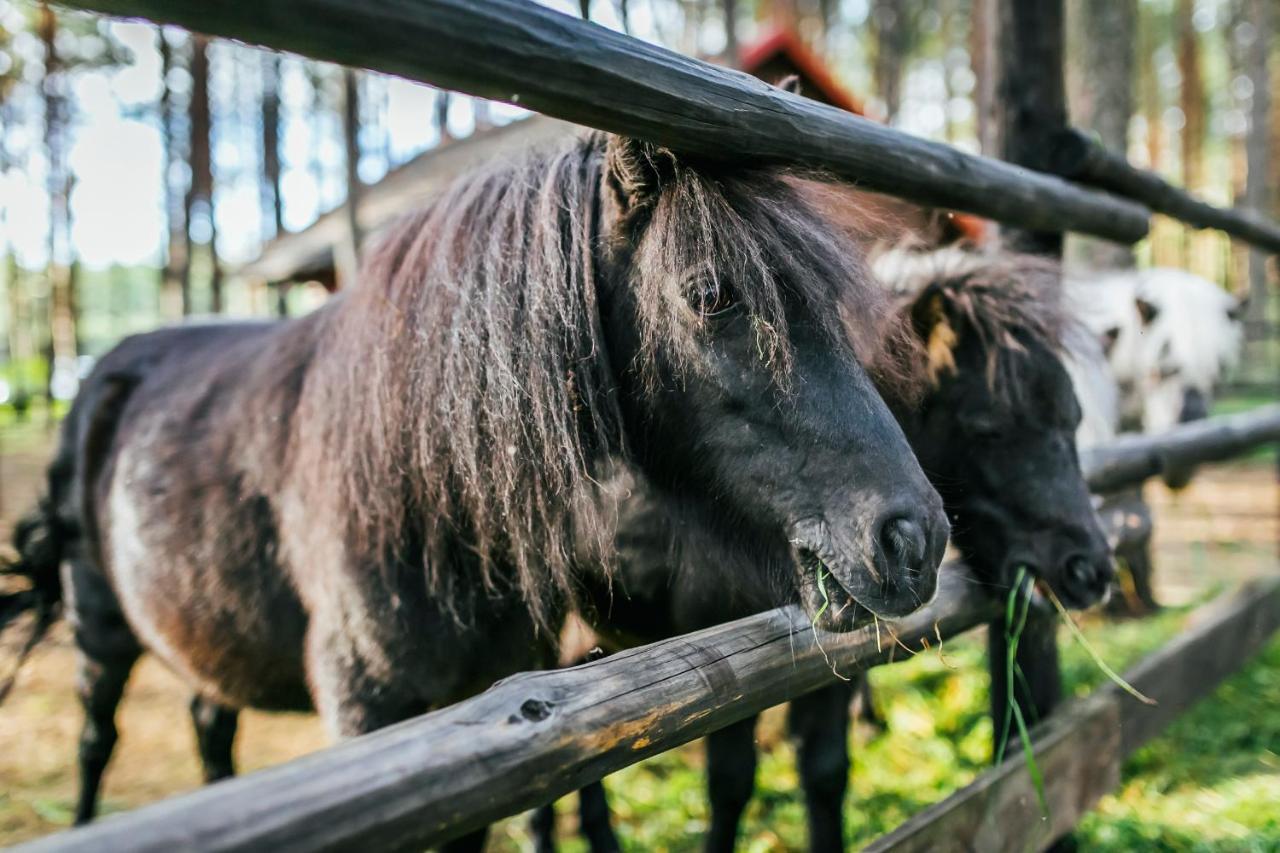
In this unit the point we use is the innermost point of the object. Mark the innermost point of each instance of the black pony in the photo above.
(995, 433)
(377, 509)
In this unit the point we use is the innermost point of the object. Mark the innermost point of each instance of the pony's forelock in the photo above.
(758, 234)
(1004, 298)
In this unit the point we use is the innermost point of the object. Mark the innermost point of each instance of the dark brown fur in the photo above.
(377, 509)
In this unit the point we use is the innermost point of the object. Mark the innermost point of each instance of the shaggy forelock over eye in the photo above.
(755, 234)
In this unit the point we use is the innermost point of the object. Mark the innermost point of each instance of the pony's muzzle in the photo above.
(909, 548)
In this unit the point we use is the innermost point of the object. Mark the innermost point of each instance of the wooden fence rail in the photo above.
(537, 736)
(525, 54)
(1130, 459)
(1079, 158)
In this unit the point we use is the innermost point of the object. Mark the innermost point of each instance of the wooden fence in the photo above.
(536, 736)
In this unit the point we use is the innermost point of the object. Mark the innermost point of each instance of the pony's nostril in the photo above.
(903, 541)
(1079, 572)
(1086, 578)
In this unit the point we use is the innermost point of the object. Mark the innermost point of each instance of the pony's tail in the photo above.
(39, 543)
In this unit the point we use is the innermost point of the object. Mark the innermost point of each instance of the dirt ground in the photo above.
(1222, 529)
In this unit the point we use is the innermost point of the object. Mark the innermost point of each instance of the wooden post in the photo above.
(1033, 97)
(1033, 110)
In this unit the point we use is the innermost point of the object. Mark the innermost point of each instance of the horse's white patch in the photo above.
(1189, 344)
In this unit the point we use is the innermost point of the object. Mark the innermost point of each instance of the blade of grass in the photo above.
(822, 588)
(1089, 649)
(1029, 754)
(1012, 633)
(1015, 623)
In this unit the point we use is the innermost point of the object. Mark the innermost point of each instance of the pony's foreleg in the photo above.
(107, 653)
(215, 726)
(352, 701)
(593, 819)
(819, 723)
(731, 780)
(543, 826)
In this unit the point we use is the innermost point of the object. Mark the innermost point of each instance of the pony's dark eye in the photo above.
(709, 298)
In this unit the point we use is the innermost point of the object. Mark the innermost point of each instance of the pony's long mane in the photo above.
(1000, 297)
(474, 393)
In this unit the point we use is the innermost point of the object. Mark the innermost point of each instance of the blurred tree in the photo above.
(348, 254)
(61, 336)
(173, 272)
(272, 200)
(1191, 99)
(19, 344)
(984, 59)
(441, 116)
(1257, 193)
(729, 9)
(198, 205)
(893, 34)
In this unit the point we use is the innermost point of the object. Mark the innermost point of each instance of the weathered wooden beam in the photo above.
(527, 740)
(1131, 459)
(1074, 155)
(1000, 810)
(526, 54)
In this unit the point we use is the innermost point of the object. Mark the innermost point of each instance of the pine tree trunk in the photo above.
(1192, 100)
(890, 29)
(61, 322)
(1258, 154)
(173, 273)
(200, 194)
(348, 254)
(272, 202)
(984, 60)
(441, 116)
(729, 8)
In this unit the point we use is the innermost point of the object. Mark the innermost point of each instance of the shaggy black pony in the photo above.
(995, 433)
(377, 509)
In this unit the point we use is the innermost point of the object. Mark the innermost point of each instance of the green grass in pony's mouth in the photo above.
(1015, 623)
(1097, 658)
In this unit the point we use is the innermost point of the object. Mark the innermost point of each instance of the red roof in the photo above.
(779, 41)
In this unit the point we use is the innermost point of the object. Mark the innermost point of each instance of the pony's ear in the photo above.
(931, 320)
(790, 83)
(1146, 310)
(637, 170)
(1108, 339)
